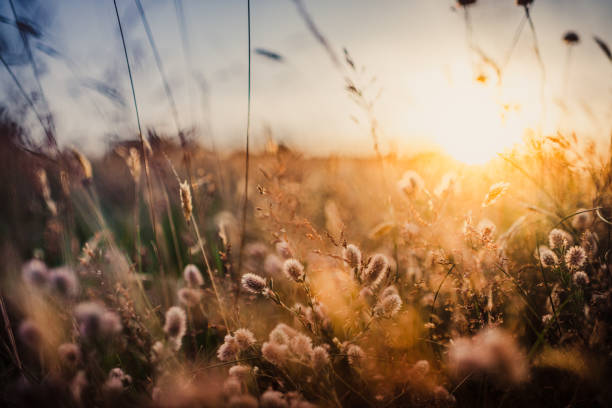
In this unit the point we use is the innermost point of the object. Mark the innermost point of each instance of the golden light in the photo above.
(472, 123)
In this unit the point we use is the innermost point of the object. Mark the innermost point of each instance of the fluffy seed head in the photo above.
(375, 271)
(244, 338)
(389, 305)
(30, 334)
(281, 334)
(64, 282)
(193, 276)
(389, 290)
(293, 269)
(282, 248)
(355, 355)
(575, 258)
(232, 386)
(239, 371)
(583, 220)
(69, 353)
(229, 349)
(421, 367)
(186, 203)
(410, 183)
(35, 273)
(189, 297)
(273, 266)
(301, 346)
(273, 399)
(580, 278)
(176, 323)
(590, 243)
(548, 258)
(95, 321)
(253, 283)
(275, 353)
(352, 256)
(320, 358)
(492, 352)
(559, 239)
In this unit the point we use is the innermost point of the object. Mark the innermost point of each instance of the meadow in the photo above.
(161, 274)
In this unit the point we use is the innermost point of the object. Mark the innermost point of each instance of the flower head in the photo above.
(293, 269)
(352, 256)
(320, 358)
(275, 353)
(375, 272)
(548, 258)
(229, 349)
(580, 278)
(253, 283)
(35, 273)
(575, 258)
(176, 323)
(193, 276)
(244, 338)
(186, 204)
(559, 239)
(64, 281)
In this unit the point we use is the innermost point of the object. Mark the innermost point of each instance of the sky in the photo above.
(416, 49)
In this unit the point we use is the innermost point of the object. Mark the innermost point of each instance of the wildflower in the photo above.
(193, 276)
(30, 334)
(547, 318)
(547, 257)
(244, 338)
(176, 323)
(35, 273)
(492, 352)
(239, 371)
(589, 243)
(352, 256)
(583, 219)
(282, 248)
(69, 354)
(273, 399)
(229, 349)
(389, 306)
(559, 239)
(189, 297)
(281, 334)
(495, 192)
(186, 203)
(580, 278)
(293, 269)
(301, 346)
(253, 283)
(375, 271)
(421, 368)
(275, 353)
(388, 291)
(355, 355)
(320, 358)
(273, 266)
(64, 281)
(94, 320)
(410, 183)
(117, 380)
(575, 258)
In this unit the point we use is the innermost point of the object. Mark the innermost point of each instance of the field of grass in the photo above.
(164, 274)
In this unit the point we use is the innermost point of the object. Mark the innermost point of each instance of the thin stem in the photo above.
(248, 129)
(142, 141)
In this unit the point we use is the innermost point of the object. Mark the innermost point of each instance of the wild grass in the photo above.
(333, 282)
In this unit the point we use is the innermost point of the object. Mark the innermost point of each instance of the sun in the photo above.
(473, 126)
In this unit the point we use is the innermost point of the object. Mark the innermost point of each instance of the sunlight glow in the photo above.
(474, 128)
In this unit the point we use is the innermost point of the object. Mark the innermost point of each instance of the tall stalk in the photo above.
(248, 129)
